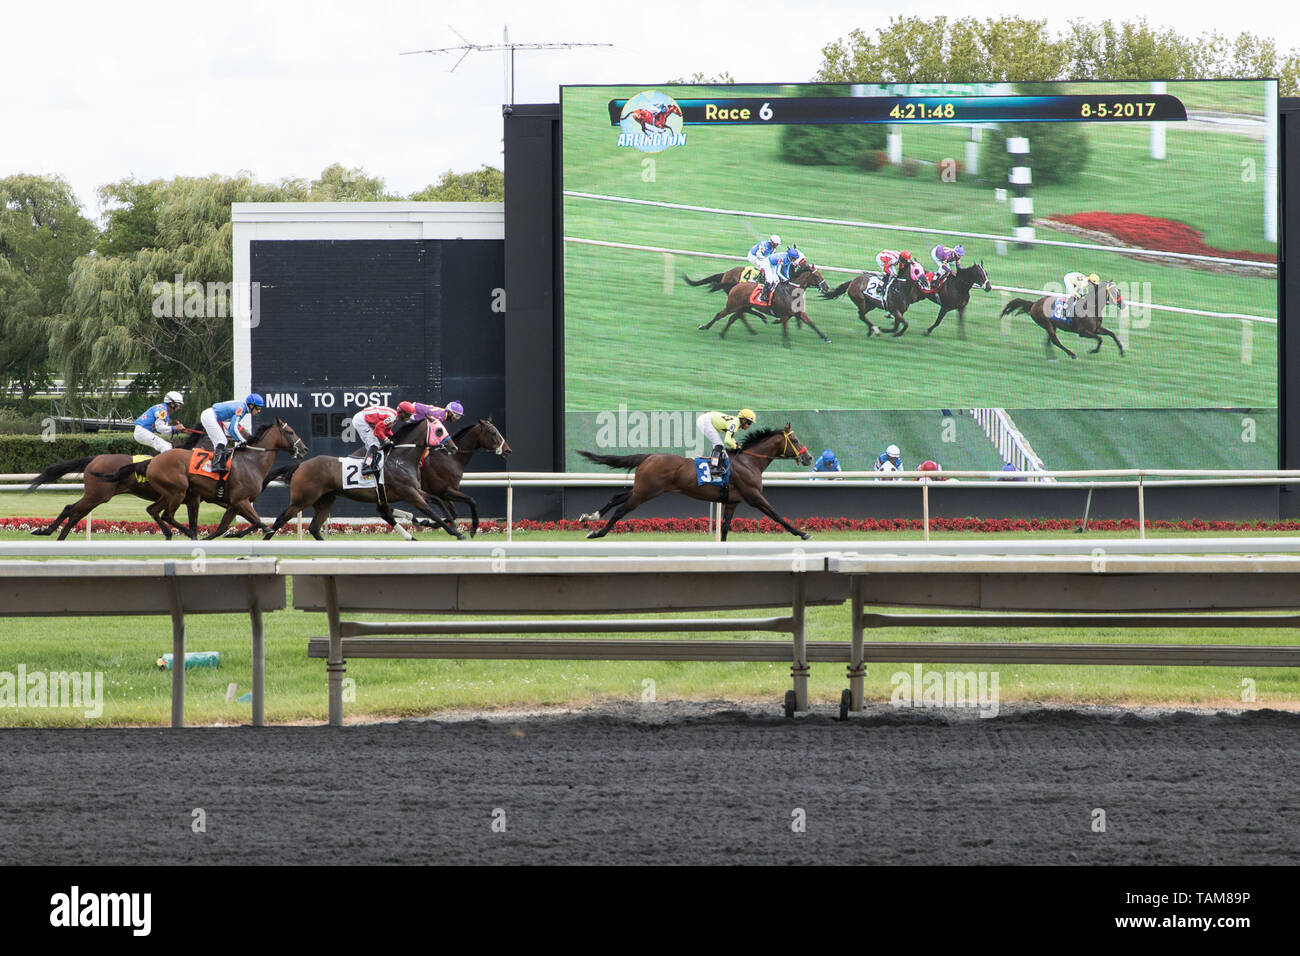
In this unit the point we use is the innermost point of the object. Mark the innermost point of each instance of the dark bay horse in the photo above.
(1085, 318)
(169, 473)
(95, 490)
(954, 294)
(317, 482)
(722, 280)
(902, 293)
(787, 302)
(656, 474)
(441, 474)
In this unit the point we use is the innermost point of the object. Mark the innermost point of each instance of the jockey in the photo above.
(778, 270)
(947, 261)
(827, 462)
(894, 264)
(760, 250)
(152, 427)
(374, 424)
(230, 422)
(418, 411)
(719, 431)
(889, 460)
(1076, 287)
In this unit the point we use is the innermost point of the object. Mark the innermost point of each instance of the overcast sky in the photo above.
(97, 92)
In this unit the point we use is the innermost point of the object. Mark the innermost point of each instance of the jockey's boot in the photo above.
(220, 456)
(716, 457)
(371, 465)
(766, 295)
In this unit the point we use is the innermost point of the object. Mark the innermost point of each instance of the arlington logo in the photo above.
(651, 122)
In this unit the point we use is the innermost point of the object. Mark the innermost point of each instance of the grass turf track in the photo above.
(136, 692)
(633, 338)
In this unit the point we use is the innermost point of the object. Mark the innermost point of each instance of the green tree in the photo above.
(1015, 49)
(487, 184)
(338, 184)
(839, 144)
(123, 309)
(42, 232)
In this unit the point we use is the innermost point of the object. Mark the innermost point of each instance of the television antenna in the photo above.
(506, 46)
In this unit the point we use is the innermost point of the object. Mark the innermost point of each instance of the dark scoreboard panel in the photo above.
(348, 323)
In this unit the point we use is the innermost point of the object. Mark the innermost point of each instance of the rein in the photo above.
(801, 450)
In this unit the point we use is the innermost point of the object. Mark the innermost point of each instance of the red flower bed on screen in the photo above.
(1152, 232)
(739, 525)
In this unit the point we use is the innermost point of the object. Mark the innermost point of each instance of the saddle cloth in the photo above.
(352, 476)
(201, 464)
(706, 475)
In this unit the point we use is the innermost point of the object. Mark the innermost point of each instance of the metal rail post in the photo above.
(857, 652)
(334, 664)
(1142, 510)
(178, 647)
(799, 669)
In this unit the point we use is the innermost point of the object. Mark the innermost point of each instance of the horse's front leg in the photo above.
(803, 317)
(942, 312)
(756, 499)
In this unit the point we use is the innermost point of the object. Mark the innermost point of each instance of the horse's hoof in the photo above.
(701, 327)
(805, 535)
(592, 534)
(826, 339)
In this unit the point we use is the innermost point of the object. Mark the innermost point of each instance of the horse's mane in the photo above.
(403, 429)
(456, 437)
(753, 438)
(261, 430)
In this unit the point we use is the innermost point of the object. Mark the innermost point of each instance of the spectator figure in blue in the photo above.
(826, 463)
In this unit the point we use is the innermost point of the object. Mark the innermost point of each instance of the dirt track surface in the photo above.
(666, 783)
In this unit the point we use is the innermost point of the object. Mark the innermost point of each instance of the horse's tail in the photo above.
(714, 280)
(838, 291)
(58, 470)
(115, 476)
(614, 461)
(283, 473)
(1017, 305)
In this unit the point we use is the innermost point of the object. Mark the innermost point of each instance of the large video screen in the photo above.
(1114, 303)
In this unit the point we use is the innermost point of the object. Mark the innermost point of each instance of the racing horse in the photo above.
(1085, 318)
(953, 293)
(440, 475)
(317, 482)
(95, 491)
(787, 302)
(656, 118)
(903, 292)
(720, 281)
(169, 473)
(656, 474)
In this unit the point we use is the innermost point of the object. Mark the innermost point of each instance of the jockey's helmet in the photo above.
(774, 239)
(455, 408)
(747, 415)
(828, 456)
(255, 400)
(905, 255)
(892, 451)
(174, 398)
(1094, 278)
(793, 254)
(407, 408)
(959, 250)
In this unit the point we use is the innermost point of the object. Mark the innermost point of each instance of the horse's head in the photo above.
(979, 277)
(492, 438)
(280, 436)
(916, 273)
(794, 448)
(806, 274)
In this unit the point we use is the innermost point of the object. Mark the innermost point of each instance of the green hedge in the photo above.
(1058, 152)
(29, 454)
(831, 145)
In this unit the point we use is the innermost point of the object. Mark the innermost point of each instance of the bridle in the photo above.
(789, 444)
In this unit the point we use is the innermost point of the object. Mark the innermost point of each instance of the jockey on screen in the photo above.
(153, 426)
(947, 261)
(1076, 287)
(760, 250)
(418, 411)
(778, 270)
(894, 264)
(827, 462)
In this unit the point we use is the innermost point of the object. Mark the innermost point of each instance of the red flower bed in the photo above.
(1152, 232)
(741, 525)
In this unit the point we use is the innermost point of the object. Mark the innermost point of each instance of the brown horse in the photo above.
(903, 292)
(440, 475)
(723, 280)
(1085, 318)
(317, 482)
(953, 293)
(95, 491)
(656, 474)
(169, 473)
(787, 302)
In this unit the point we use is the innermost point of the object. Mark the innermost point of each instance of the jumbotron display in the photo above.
(1055, 275)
